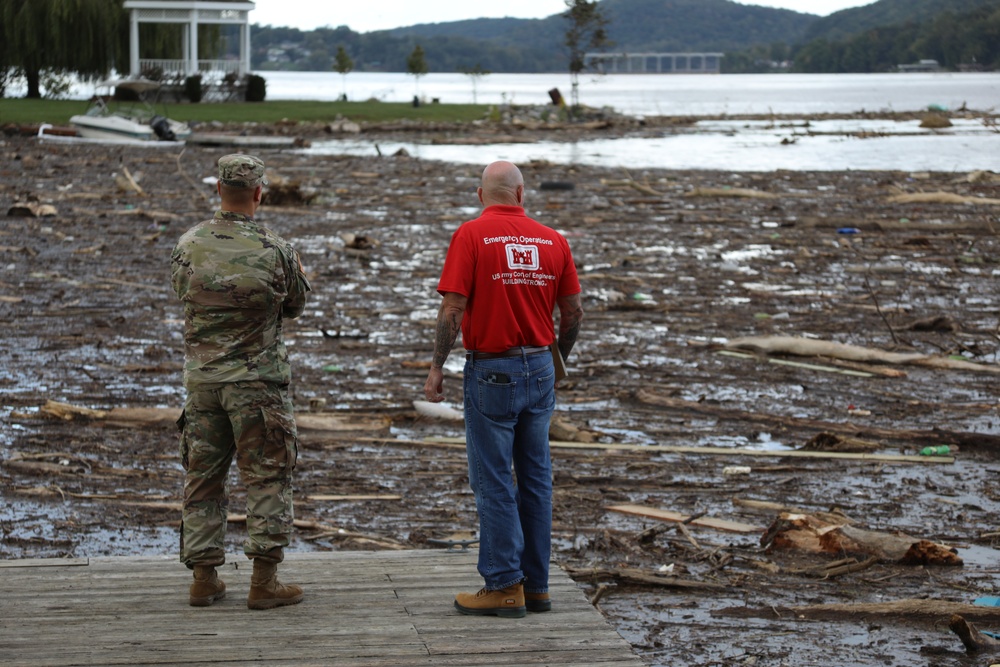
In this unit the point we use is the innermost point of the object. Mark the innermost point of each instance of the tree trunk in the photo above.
(808, 533)
(33, 77)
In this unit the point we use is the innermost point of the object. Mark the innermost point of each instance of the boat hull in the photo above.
(118, 127)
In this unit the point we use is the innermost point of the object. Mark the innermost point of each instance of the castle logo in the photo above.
(522, 257)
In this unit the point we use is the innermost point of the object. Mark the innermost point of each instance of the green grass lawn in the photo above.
(57, 112)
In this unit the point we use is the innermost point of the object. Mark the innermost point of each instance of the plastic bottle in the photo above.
(940, 450)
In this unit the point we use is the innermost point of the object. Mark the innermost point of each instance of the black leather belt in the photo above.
(512, 352)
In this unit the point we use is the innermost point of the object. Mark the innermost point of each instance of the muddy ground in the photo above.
(672, 266)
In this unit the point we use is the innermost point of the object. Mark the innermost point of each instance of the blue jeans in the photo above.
(508, 406)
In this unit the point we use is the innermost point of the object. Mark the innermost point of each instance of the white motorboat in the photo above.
(136, 120)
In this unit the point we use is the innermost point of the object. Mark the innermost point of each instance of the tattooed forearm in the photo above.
(449, 323)
(448, 327)
(570, 319)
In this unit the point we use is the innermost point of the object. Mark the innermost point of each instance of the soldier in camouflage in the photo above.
(237, 281)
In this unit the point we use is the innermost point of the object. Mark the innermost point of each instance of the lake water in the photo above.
(662, 94)
(747, 146)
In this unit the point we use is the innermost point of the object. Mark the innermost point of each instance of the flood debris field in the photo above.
(690, 390)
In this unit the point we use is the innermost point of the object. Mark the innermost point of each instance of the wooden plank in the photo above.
(704, 522)
(367, 609)
(45, 562)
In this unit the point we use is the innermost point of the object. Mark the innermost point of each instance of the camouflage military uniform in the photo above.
(237, 281)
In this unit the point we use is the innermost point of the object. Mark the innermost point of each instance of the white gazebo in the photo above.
(193, 13)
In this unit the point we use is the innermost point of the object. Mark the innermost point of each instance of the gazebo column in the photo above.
(245, 50)
(192, 53)
(133, 46)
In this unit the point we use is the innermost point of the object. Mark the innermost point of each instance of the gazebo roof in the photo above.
(189, 4)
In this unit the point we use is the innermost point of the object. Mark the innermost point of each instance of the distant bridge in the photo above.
(655, 63)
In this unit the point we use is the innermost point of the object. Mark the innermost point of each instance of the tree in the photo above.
(416, 64)
(476, 73)
(343, 64)
(587, 30)
(86, 37)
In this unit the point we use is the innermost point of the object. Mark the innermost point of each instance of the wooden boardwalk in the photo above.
(363, 609)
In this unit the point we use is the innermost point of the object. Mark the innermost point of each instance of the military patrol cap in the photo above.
(241, 171)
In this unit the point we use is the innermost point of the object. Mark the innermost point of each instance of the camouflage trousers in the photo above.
(254, 422)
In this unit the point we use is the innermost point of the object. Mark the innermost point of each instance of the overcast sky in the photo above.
(368, 15)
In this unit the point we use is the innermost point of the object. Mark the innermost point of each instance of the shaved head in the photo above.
(502, 184)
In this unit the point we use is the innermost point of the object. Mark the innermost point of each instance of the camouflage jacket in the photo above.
(237, 281)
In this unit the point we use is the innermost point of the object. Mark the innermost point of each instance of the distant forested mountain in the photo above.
(640, 25)
(533, 45)
(956, 40)
(700, 25)
(872, 38)
(850, 22)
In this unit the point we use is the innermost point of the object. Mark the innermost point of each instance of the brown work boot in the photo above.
(266, 592)
(207, 587)
(537, 602)
(506, 602)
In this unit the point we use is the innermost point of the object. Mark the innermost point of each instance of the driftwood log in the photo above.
(973, 640)
(809, 533)
(808, 347)
(140, 417)
(635, 576)
(908, 610)
(936, 436)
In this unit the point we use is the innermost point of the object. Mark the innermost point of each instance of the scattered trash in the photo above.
(848, 230)
(736, 470)
(940, 450)
(988, 601)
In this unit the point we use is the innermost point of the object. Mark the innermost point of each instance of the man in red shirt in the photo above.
(503, 277)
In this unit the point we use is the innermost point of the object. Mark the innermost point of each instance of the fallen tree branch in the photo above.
(639, 577)
(973, 640)
(907, 610)
(807, 347)
(836, 569)
(933, 437)
(681, 520)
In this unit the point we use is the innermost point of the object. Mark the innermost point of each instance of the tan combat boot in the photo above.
(207, 587)
(506, 602)
(266, 592)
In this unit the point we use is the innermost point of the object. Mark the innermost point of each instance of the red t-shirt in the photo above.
(512, 269)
